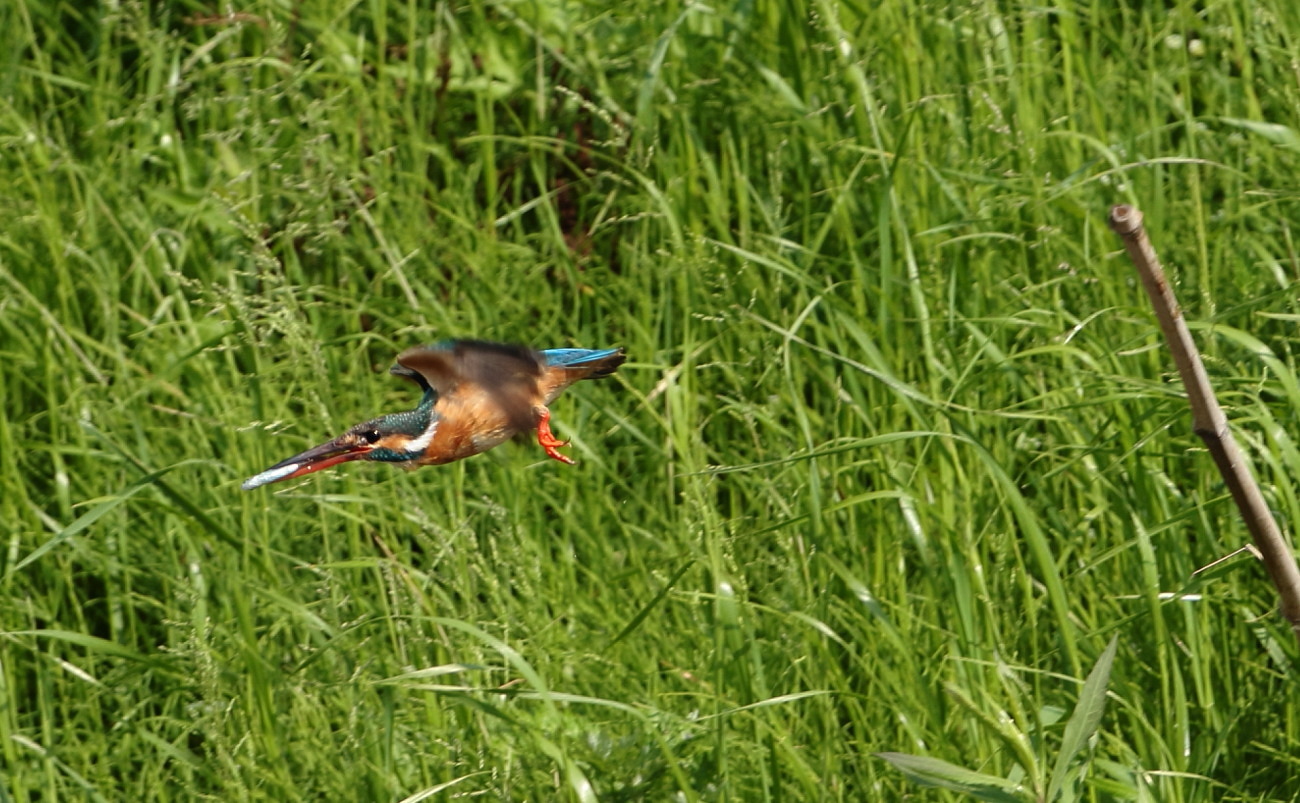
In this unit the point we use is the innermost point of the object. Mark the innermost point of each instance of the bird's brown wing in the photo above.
(505, 376)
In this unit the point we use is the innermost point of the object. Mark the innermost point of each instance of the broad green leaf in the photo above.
(1284, 136)
(939, 773)
(1087, 715)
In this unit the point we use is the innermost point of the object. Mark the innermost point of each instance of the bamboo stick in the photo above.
(1208, 420)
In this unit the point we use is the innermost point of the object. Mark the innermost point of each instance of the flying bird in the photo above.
(476, 396)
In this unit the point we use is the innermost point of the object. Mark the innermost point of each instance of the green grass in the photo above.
(896, 455)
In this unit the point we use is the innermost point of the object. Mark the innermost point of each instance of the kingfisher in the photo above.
(476, 396)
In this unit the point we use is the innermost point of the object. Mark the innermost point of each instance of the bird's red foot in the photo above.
(548, 440)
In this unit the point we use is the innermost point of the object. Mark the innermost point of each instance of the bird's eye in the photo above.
(370, 435)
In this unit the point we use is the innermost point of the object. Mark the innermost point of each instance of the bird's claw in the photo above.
(547, 440)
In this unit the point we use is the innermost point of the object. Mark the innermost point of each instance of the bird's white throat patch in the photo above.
(421, 443)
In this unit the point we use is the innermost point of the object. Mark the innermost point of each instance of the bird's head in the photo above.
(394, 438)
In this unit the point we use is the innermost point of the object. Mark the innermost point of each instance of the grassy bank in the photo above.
(895, 456)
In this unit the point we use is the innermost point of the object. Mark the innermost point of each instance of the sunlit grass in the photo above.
(895, 455)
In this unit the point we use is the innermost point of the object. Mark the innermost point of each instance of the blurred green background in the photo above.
(896, 454)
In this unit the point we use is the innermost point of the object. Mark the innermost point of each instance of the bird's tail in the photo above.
(566, 366)
(586, 363)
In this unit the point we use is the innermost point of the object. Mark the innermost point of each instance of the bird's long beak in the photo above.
(330, 453)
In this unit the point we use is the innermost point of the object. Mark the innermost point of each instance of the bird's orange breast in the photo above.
(468, 423)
